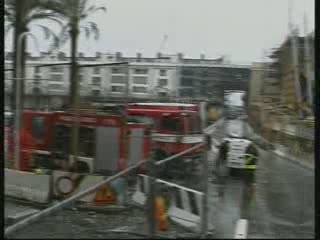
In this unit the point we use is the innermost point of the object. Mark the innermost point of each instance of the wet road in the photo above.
(75, 224)
(281, 206)
(283, 203)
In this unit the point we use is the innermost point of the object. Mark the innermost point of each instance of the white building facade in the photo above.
(47, 87)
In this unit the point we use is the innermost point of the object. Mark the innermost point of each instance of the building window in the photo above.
(140, 80)
(186, 92)
(141, 71)
(96, 70)
(163, 82)
(139, 89)
(187, 72)
(37, 70)
(118, 79)
(56, 77)
(238, 76)
(95, 92)
(117, 88)
(118, 70)
(205, 74)
(80, 78)
(36, 90)
(57, 69)
(96, 81)
(163, 72)
(186, 82)
(56, 86)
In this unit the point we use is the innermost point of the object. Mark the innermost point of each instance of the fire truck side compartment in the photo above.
(107, 149)
(135, 145)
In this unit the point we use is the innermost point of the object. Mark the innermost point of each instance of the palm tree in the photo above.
(74, 12)
(19, 15)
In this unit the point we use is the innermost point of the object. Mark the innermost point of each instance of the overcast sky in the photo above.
(241, 29)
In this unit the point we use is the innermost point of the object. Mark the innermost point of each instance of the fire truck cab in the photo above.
(175, 127)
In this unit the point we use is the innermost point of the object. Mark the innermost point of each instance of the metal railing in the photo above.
(150, 209)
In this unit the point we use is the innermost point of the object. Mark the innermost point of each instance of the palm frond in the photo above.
(40, 16)
(86, 30)
(95, 30)
(61, 39)
(47, 31)
(92, 10)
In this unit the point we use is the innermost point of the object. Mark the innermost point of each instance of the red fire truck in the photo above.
(107, 142)
(175, 128)
(8, 131)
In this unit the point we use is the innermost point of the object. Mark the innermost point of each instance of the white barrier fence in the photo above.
(37, 188)
(27, 186)
(185, 203)
(241, 231)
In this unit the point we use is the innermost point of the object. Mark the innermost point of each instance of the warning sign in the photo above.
(105, 195)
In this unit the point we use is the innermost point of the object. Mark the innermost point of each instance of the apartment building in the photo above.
(143, 78)
(211, 78)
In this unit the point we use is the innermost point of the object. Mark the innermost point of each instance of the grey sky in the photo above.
(241, 29)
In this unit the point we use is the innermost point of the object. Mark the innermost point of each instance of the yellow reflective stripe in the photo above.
(247, 158)
(252, 167)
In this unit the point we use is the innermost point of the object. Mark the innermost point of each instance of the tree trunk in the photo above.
(19, 29)
(74, 92)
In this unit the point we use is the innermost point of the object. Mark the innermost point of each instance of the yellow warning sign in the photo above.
(105, 196)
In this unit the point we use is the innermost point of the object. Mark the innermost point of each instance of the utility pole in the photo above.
(293, 34)
(307, 61)
(261, 98)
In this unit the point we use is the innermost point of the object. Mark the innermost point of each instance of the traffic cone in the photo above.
(105, 196)
(161, 216)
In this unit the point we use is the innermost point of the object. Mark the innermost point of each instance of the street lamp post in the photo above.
(19, 78)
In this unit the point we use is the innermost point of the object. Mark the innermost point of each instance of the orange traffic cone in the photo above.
(160, 212)
(105, 196)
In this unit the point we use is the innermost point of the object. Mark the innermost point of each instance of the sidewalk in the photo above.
(299, 161)
(302, 162)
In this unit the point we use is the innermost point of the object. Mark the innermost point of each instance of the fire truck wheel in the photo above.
(64, 185)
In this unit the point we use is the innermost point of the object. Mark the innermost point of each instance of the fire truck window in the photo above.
(194, 126)
(38, 127)
(62, 139)
(86, 142)
(141, 119)
(171, 123)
